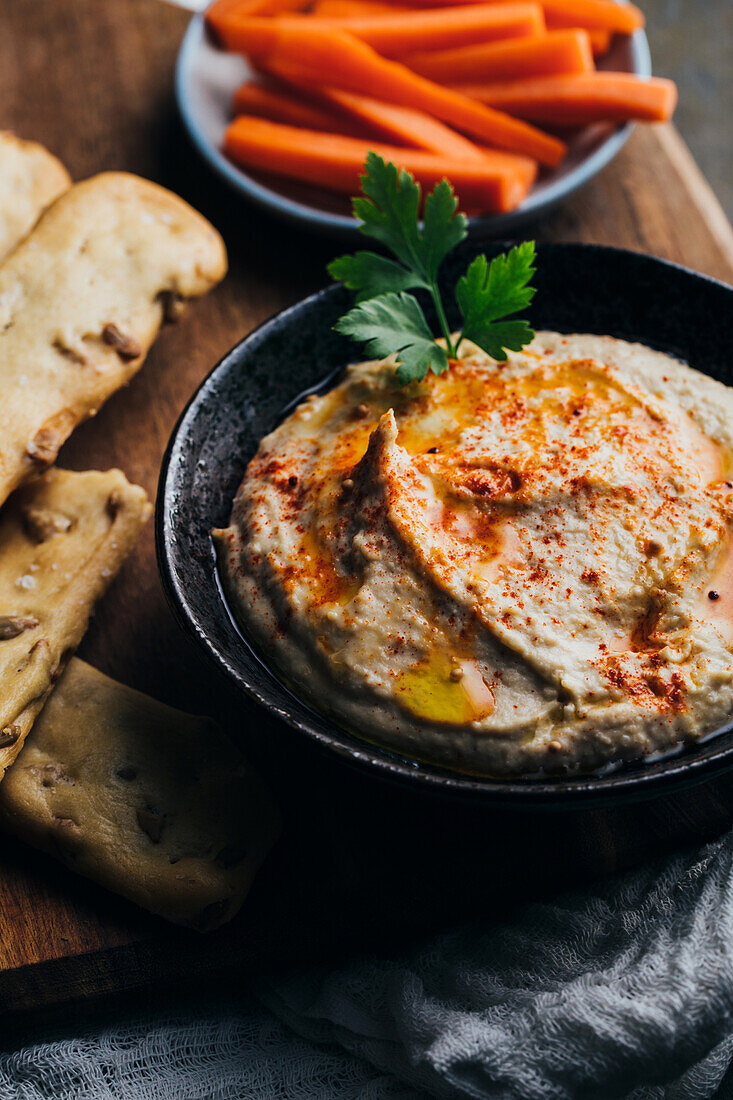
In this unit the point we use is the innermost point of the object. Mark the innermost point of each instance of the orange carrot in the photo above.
(281, 106)
(541, 55)
(600, 42)
(578, 100)
(605, 15)
(218, 14)
(355, 115)
(311, 51)
(395, 34)
(493, 183)
(598, 15)
(400, 125)
(348, 9)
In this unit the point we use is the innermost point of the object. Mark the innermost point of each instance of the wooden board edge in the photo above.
(697, 186)
(75, 980)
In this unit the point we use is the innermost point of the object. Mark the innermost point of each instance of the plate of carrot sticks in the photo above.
(517, 103)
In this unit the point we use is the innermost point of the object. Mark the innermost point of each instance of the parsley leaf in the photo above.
(371, 275)
(395, 324)
(389, 214)
(443, 228)
(389, 320)
(490, 291)
(498, 337)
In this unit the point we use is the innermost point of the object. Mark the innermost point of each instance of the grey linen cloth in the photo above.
(625, 990)
(622, 991)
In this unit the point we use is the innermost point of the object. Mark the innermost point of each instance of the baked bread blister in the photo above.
(150, 802)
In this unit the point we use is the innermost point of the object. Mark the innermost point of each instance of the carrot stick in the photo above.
(218, 14)
(348, 9)
(281, 106)
(586, 97)
(401, 125)
(336, 163)
(312, 51)
(598, 15)
(600, 42)
(394, 34)
(518, 58)
(605, 15)
(355, 115)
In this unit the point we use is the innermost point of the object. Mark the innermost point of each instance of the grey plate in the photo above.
(580, 288)
(206, 79)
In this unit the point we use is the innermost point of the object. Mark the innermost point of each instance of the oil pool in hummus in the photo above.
(510, 569)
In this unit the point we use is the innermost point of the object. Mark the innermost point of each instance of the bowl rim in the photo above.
(344, 225)
(635, 782)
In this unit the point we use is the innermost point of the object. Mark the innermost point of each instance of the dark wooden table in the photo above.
(693, 44)
(92, 79)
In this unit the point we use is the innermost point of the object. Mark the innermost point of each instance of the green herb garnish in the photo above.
(389, 320)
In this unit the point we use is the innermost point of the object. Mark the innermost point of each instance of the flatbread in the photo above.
(147, 801)
(153, 804)
(63, 538)
(81, 300)
(30, 179)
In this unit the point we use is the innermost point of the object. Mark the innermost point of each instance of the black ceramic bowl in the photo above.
(580, 288)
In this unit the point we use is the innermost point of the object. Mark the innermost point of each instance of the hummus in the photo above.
(510, 569)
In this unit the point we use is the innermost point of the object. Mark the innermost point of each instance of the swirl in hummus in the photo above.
(509, 569)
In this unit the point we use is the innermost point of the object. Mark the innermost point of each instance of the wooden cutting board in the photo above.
(92, 79)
